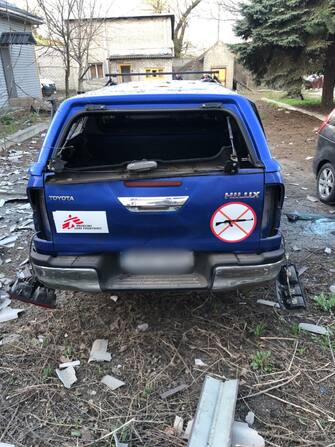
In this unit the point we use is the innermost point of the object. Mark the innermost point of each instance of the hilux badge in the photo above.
(242, 195)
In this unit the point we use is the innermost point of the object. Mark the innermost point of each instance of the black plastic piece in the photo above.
(290, 292)
(231, 167)
(31, 291)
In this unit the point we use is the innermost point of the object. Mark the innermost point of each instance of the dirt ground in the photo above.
(287, 377)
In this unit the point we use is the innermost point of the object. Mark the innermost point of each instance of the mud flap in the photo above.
(289, 290)
(31, 291)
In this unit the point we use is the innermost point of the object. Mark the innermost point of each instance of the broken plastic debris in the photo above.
(4, 444)
(112, 382)
(302, 270)
(99, 352)
(143, 327)
(312, 199)
(68, 364)
(67, 376)
(114, 298)
(268, 303)
(332, 288)
(320, 330)
(173, 391)
(199, 362)
(8, 314)
(309, 158)
(296, 248)
(328, 250)
(4, 302)
(250, 418)
(244, 436)
(178, 425)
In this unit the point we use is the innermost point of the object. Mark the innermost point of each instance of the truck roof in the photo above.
(160, 88)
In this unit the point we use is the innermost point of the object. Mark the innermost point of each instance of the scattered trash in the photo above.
(24, 262)
(178, 425)
(112, 382)
(188, 429)
(250, 418)
(268, 303)
(328, 250)
(289, 290)
(332, 211)
(332, 288)
(296, 248)
(9, 339)
(99, 352)
(309, 158)
(68, 364)
(4, 302)
(244, 436)
(199, 362)
(29, 290)
(320, 330)
(4, 444)
(67, 376)
(143, 327)
(294, 184)
(173, 391)
(312, 199)
(303, 188)
(114, 298)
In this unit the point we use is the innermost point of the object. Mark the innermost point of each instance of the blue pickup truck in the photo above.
(156, 185)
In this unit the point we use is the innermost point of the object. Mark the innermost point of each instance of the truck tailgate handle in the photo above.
(150, 204)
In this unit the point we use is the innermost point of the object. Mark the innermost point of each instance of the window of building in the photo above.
(96, 71)
(155, 73)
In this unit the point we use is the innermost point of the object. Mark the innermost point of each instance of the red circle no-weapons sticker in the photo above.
(233, 222)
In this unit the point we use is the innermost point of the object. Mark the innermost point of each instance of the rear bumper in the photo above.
(217, 271)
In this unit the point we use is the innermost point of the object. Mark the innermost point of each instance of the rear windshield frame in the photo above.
(203, 107)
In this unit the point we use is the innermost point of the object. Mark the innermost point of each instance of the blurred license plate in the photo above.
(155, 262)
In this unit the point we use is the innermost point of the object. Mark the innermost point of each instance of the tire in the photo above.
(326, 183)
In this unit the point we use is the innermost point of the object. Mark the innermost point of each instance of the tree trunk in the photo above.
(67, 73)
(327, 100)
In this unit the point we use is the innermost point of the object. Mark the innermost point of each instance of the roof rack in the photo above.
(174, 75)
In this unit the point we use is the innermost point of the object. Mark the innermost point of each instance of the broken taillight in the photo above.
(326, 121)
(273, 202)
(40, 216)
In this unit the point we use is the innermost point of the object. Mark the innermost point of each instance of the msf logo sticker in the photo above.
(71, 222)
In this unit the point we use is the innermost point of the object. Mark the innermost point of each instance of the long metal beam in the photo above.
(214, 418)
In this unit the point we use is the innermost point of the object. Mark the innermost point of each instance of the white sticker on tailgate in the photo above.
(80, 221)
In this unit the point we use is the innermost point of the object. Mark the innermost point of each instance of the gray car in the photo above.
(324, 160)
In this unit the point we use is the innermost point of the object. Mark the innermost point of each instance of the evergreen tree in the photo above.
(286, 39)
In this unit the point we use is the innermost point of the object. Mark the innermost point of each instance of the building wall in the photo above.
(220, 56)
(23, 60)
(140, 66)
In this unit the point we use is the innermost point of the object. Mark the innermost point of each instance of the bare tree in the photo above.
(57, 15)
(182, 10)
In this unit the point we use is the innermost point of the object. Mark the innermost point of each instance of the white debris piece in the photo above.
(268, 303)
(328, 250)
(68, 364)
(199, 362)
(8, 314)
(320, 330)
(312, 199)
(250, 418)
(296, 248)
(7, 241)
(5, 302)
(67, 376)
(244, 436)
(10, 338)
(99, 352)
(143, 327)
(178, 425)
(4, 444)
(332, 288)
(112, 382)
(2, 202)
(309, 158)
(114, 298)
(302, 270)
(188, 429)
(118, 443)
(332, 211)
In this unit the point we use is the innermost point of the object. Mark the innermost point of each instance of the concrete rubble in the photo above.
(315, 329)
(67, 376)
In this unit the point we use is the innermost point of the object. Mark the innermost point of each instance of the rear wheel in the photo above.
(326, 183)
